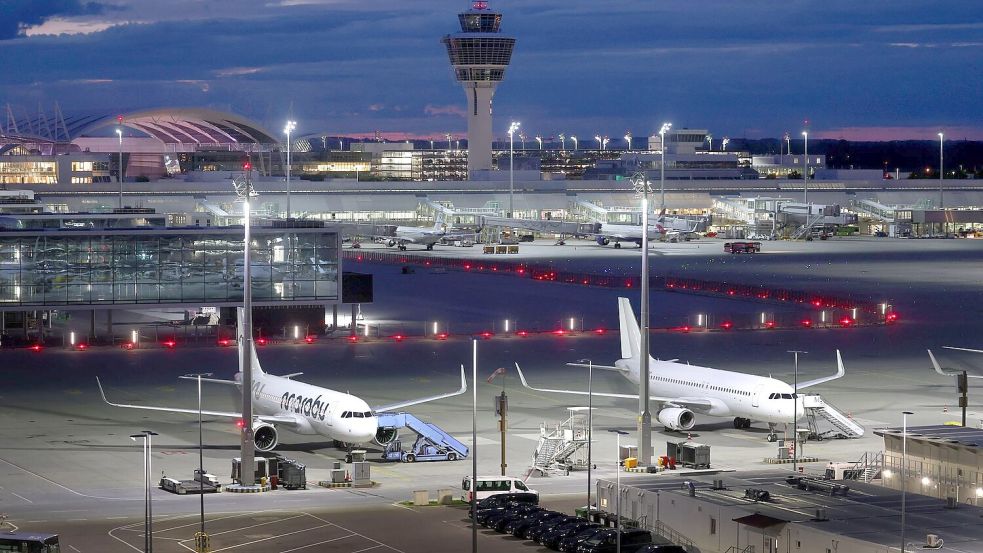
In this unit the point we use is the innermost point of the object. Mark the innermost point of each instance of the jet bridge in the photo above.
(540, 225)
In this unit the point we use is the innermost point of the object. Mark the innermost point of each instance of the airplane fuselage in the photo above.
(318, 411)
(731, 394)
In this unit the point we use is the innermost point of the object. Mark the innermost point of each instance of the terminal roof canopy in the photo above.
(169, 125)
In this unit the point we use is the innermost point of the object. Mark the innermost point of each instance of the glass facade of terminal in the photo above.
(157, 266)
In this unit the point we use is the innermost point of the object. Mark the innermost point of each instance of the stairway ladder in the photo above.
(428, 430)
(869, 466)
(558, 443)
(816, 406)
(805, 229)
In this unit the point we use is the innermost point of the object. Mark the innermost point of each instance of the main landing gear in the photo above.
(772, 436)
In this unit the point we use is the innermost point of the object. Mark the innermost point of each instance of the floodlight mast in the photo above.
(247, 454)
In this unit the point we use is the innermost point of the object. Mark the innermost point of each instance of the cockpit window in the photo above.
(782, 396)
(368, 414)
(358, 415)
(346, 415)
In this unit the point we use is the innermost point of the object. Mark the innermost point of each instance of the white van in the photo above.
(493, 485)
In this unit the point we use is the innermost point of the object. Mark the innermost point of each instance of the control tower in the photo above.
(479, 55)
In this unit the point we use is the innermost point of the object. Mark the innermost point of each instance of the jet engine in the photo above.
(386, 435)
(602, 241)
(677, 418)
(391, 243)
(264, 436)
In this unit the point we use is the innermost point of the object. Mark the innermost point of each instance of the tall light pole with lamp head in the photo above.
(244, 189)
(597, 137)
(710, 140)
(644, 411)
(563, 142)
(604, 144)
(617, 501)
(119, 173)
(590, 424)
(513, 127)
(662, 162)
(291, 125)
(805, 169)
(941, 176)
(148, 509)
(795, 411)
(904, 471)
(574, 138)
(201, 540)
(724, 143)
(628, 140)
(540, 140)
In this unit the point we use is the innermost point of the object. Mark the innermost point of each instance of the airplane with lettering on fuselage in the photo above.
(301, 408)
(683, 390)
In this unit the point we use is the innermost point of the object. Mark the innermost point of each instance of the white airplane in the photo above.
(938, 368)
(418, 235)
(302, 408)
(682, 390)
(667, 229)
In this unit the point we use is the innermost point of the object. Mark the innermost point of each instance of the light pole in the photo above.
(904, 471)
(788, 147)
(662, 162)
(604, 144)
(597, 137)
(574, 138)
(291, 125)
(522, 140)
(724, 143)
(941, 176)
(540, 140)
(448, 137)
(710, 140)
(513, 127)
(119, 173)
(628, 140)
(795, 411)
(644, 412)
(617, 501)
(201, 540)
(244, 189)
(805, 171)
(474, 445)
(563, 142)
(148, 512)
(590, 424)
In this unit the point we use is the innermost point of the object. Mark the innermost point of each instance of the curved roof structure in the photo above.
(169, 125)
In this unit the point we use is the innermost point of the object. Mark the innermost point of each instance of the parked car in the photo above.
(553, 537)
(570, 544)
(502, 500)
(607, 541)
(492, 485)
(665, 548)
(498, 522)
(518, 525)
(534, 529)
(490, 518)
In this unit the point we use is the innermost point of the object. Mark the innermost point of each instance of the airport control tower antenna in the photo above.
(479, 55)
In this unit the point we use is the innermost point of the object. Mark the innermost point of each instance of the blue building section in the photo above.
(432, 443)
(166, 266)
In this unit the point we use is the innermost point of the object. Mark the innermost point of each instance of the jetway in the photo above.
(547, 226)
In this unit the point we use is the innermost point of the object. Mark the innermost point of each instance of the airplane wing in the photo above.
(402, 404)
(938, 368)
(964, 349)
(699, 403)
(229, 414)
(602, 367)
(195, 378)
(840, 371)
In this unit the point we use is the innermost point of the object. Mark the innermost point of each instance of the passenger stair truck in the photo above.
(560, 448)
(815, 407)
(432, 443)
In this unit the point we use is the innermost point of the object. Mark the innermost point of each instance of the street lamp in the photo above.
(513, 127)
(724, 143)
(805, 170)
(590, 423)
(244, 189)
(597, 137)
(795, 411)
(201, 541)
(604, 144)
(563, 142)
(710, 140)
(617, 501)
(474, 445)
(628, 140)
(574, 138)
(148, 512)
(448, 137)
(540, 140)
(522, 140)
(291, 125)
(662, 162)
(904, 470)
(119, 173)
(941, 176)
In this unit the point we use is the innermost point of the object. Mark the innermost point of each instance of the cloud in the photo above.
(21, 15)
(452, 109)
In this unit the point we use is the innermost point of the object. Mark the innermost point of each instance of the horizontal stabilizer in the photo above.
(602, 367)
(291, 375)
(212, 380)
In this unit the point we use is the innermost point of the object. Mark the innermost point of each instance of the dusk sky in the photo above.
(856, 69)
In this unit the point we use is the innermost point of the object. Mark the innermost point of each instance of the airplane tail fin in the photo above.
(438, 222)
(254, 360)
(631, 336)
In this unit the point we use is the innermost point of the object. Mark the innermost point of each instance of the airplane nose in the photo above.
(364, 431)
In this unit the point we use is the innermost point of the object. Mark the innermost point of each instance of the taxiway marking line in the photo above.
(245, 527)
(66, 488)
(75, 548)
(269, 538)
(357, 551)
(21, 496)
(320, 543)
(354, 532)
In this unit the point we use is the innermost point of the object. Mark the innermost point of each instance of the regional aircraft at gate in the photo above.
(301, 408)
(682, 390)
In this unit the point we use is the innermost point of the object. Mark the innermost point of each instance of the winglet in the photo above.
(938, 368)
(522, 377)
(840, 373)
(840, 369)
(103, 392)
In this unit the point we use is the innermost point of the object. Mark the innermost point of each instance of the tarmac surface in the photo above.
(67, 464)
